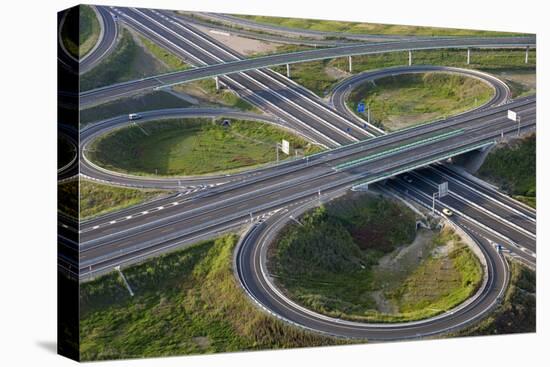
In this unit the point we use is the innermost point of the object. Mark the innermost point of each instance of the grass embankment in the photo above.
(138, 103)
(186, 302)
(191, 147)
(410, 99)
(97, 199)
(205, 91)
(368, 28)
(172, 62)
(513, 167)
(517, 313)
(89, 30)
(314, 75)
(128, 61)
(342, 263)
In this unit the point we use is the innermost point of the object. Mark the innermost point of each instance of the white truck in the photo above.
(134, 116)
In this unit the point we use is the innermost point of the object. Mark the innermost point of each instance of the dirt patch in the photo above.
(244, 46)
(336, 73)
(201, 341)
(394, 123)
(408, 257)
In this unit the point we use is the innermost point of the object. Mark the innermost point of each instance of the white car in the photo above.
(447, 212)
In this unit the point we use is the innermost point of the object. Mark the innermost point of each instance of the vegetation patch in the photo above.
(138, 103)
(89, 30)
(173, 62)
(350, 260)
(191, 146)
(367, 28)
(128, 61)
(513, 167)
(97, 199)
(186, 302)
(398, 102)
(517, 313)
(312, 75)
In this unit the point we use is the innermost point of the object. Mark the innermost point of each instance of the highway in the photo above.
(169, 35)
(107, 243)
(263, 199)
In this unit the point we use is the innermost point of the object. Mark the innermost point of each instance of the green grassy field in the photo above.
(89, 30)
(191, 147)
(367, 28)
(138, 103)
(406, 100)
(97, 199)
(439, 283)
(513, 168)
(186, 302)
(517, 312)
(331, 263)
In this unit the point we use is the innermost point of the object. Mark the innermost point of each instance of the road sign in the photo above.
(512, 115)
(443, 189)
(285, 147)
(361, 107)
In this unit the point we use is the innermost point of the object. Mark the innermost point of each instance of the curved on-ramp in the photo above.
(251, 271)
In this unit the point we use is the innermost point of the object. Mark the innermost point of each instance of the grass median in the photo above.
(183, 147)
(186, 302)
(360, 259)
(97, 199)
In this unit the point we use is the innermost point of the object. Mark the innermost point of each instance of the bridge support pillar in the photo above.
(288, 70)
(410, 58)
(350, 64)
(217, 79)
(527, 55)
(468, 58)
